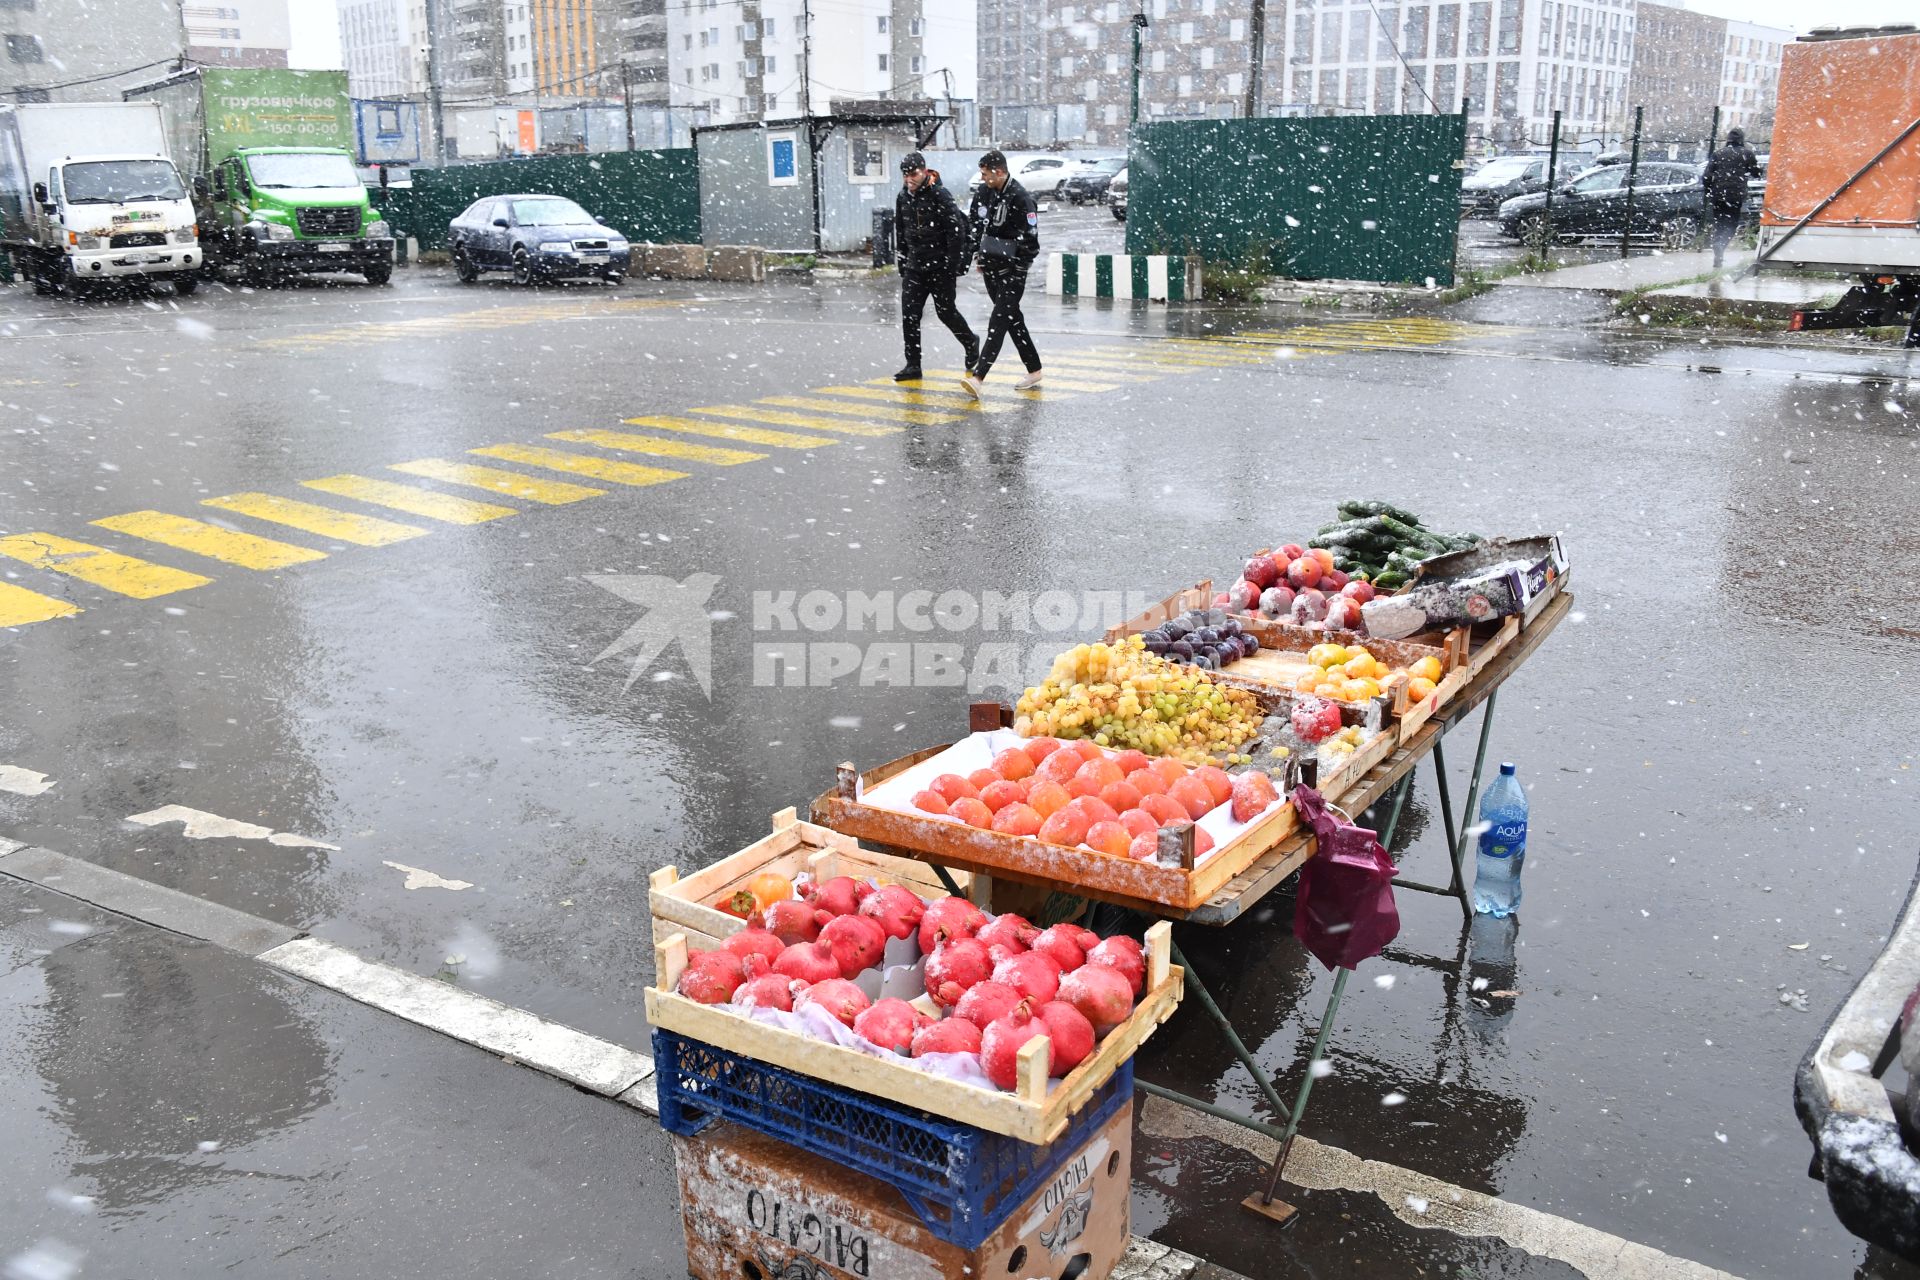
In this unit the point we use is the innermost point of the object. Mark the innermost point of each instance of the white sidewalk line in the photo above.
(581, 1059)
(1429, 1203)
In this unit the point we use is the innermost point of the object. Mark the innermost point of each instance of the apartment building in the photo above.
(238, 33)
(384, 46)
(1677, 65)
(1750, 76)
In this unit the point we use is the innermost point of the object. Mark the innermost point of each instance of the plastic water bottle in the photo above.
(1503, 846)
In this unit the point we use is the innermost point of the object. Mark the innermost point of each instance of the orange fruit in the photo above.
(952, 786)
(984, 778)
(1166, 809)
(1427, 668)
(1017, 820)
(1109, 837)
(1194, 796)
(1066, 827)
(1216, 781)
(1169, 769)
(1139, 822)
(930, 801)
(1420, 688)
(972, 812)
(1013, 764)
(1121, 795)
(1048, 797)
(1039, 749)
(998, 795)
(1061, 765)
(1131, 762)
(1102, 772)
(1147, 783)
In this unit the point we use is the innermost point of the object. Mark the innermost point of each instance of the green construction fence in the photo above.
(1336, 198)
(645, 195)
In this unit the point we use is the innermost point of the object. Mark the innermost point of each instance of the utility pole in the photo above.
(626, 95)
(436, 116)
(1256, 57)
(806, 63)
(1139, 24)
(1633, 174)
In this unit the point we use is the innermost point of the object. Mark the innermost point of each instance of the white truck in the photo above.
(88, 195)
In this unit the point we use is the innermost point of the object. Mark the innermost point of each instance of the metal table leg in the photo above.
(1240, 1050)
(1457, 886)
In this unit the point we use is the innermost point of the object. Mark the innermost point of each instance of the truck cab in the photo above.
(277, 211)
(100, 218)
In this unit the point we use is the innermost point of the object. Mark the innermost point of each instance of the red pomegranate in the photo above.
(840, 896)
(1035, 975)
(949, 1035)
(891, 1024)
(1001, 1041)
(1070, 1032)
(838, 997)
(986, 1003)
(1058, 945)
(792, 920)
(1125, 955)
(1085, 939)
(754, 942)
(896, 910)
(1009, 931)
(954, 968)
(949, 918)
(857, 942)
(774, 991)
(1102, 994)
(807, 962)
(711, 977)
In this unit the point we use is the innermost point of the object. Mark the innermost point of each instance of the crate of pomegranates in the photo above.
(986, 1020)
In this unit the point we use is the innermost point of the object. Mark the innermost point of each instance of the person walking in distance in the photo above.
(931, 234)
(1725, 180)
(1005, 241)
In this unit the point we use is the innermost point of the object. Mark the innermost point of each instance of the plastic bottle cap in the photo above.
(1506, 769)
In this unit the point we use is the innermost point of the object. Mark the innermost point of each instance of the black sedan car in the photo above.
(1668, 205)
(536, 238)
(1088, 184)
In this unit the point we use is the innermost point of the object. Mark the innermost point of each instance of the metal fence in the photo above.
(646, 195)
(1351, 198)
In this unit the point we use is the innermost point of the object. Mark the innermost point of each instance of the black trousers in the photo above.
(1005, 285)
(1726, 224)
(915, 289)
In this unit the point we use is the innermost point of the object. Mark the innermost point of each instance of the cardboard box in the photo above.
(757, 1208)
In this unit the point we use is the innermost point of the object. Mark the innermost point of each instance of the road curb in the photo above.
(143, 900)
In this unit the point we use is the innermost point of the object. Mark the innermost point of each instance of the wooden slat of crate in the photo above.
(1336, 784)
(683, 904)
(1031, 1113)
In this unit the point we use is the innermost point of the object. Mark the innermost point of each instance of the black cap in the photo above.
(912, 162)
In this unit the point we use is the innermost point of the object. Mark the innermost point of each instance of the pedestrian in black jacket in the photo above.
(1006, 240)
(1725, 180)
(930, 234)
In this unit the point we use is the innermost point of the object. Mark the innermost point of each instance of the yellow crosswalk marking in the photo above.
(19, 606)
(210, 540)
(723, 431)
(964, 402)
(110, 570)
(1136, 358)
(657, 447)
(553, 493)
(580, 464)
(1200, 351)
(365, 531)
(777, 418)
(1112, 375)
(879, 413)
(411, 499)
(1073, 382)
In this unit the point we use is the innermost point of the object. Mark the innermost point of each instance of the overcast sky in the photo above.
(316, 25)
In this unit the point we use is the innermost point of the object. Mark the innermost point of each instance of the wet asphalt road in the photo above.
(1716, 744)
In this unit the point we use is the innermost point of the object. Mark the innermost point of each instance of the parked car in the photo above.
(1117, 195)
(1501, 179)
(1040, 175)
(1668, 203)
(535, 237)
(1088, 184)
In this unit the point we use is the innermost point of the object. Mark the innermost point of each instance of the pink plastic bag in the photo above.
(1344, 912)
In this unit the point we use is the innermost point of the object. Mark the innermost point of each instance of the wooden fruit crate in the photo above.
(685, 906)
(1032, 1112)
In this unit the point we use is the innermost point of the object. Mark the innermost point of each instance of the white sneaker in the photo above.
(972, 384)
(1029, 382)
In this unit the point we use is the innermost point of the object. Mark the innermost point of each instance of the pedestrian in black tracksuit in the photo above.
(930, 234)
(1725, 180)
(1006, 239)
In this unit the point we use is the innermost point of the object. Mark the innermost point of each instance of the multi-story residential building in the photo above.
(1010, 72)
(384, 46)
(60, 50)
(1750, 76)
(238, 33)
(1677, 61)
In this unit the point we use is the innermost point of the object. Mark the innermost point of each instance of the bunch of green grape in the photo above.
(1122, 696)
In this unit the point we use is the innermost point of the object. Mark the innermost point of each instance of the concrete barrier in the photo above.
(1153, 277)
(737, 264)
(674, 261)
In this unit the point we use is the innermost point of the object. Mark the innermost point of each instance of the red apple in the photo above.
(1260, 572)
(1303, 572)
(1292, 551)
(1333, 580)
(1243, 595)
(1358, 592)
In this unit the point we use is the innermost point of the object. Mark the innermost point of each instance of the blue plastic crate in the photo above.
(963, 1182)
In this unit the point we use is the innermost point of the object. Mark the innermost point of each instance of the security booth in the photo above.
(807, 184)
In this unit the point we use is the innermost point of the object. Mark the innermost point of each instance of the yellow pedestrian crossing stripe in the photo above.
(229, 546)
(579, 464)
(411, 499)
(19, 606)
(811, 419)
(109, 570)
(725, 431)
(365, 531)
(553, 493)
(779, 418)
(964, 403)
(657, 447)
(876, 412)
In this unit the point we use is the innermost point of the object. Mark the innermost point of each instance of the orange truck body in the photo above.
(1844, 98)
